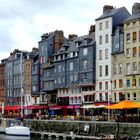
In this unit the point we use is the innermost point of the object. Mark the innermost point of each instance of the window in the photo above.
(134, 96)
(100, 85)
(115, 83)
(139, 82)
(134, 66)
(100, 39)
(107, 24)
(115, 97)
(59, 80)
(106, 70)
(128, 82)
(128, 68)
(106, 96)
(106, 85)
(71, 66)
(139, 36)
(106, 53)
(115, 69)
(120, 83)
(134, 36)
(100, 96)
(106, 38)
(100, 54)
(85, 51)
(59, 68)
(71, 78)
(134, 52)
(128, 38)
(134, 82)
(128, 52)
(100, 70)
(100, 26)
(85, 77)
(84, 64)
(120, 68)
(41, 60)
(128, 96)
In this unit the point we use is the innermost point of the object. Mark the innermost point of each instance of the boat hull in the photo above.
(17, 131)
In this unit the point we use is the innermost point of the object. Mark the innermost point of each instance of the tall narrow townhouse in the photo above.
(132, 54)
(105, 26)
(50, 43)
(118, 63)
(35, 81)
(2, 82)
(28, 76)
(14, 77)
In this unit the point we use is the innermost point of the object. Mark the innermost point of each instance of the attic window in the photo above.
(77, 44)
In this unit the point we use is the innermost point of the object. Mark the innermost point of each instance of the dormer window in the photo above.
(85, 42)
(85, 51)
(77, 44)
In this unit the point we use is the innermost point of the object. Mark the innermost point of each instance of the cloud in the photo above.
(22, 22)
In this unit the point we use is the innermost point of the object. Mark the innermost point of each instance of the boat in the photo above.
(17, 131)
(14, 129)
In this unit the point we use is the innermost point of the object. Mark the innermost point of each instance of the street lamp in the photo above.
(21, 83)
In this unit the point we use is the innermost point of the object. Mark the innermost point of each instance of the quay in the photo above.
(70, 136)
(84, 130)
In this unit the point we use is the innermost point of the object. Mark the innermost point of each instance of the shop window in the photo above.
(128, 96)
(134, 96)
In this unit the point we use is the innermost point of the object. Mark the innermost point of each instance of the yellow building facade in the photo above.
(132, 58)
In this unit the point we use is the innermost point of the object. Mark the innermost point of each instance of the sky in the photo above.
(22, 22)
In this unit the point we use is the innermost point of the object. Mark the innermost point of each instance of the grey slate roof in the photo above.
(109, 13)
(133, 17)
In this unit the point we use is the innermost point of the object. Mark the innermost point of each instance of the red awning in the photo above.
(55, 107)
(12, 107)
(72, 107)
(31, 107)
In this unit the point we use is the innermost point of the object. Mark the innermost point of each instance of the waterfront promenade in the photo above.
(83, 129)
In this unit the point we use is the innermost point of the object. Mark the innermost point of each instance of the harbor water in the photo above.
(6, 137)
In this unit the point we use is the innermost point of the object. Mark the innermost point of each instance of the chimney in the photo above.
(72, 36)
(107, 8)
(92, 29)
(59, 40)
(136, 8)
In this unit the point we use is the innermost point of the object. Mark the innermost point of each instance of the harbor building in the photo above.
(132, 54)
(118, 64)
(104, 28)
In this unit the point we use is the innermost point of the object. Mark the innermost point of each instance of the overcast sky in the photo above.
(22, 22)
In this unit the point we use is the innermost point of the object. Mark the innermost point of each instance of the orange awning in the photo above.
(126, 104)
